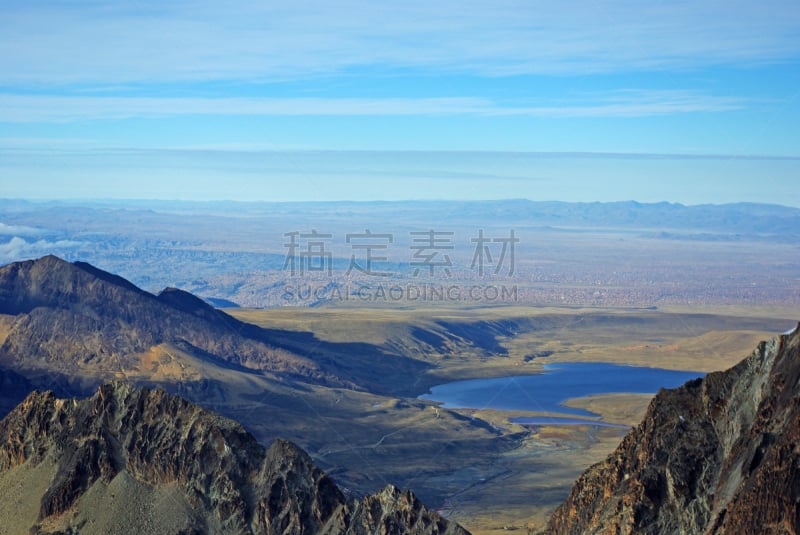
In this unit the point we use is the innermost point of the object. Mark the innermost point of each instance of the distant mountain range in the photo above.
(744, 218)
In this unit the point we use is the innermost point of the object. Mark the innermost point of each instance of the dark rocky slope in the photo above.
(73, 321)
(13, 389)
(717, 455)
(131, 460)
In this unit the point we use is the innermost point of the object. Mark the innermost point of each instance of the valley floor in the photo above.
(474, 465)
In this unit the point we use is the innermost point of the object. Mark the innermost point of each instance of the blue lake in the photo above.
(555, 420)
(546, 391)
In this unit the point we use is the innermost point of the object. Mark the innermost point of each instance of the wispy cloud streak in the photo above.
(29, 108)
(196, 40)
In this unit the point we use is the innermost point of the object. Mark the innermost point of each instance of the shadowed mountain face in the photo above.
(717, 455)
(131, 460)
(13, 389)
(73, 317)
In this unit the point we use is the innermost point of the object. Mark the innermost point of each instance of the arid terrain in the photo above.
(623, 254)
(343, 384)
(521, 485)
(660, 286)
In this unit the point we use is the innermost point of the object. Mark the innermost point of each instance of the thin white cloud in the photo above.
(20, 249)
(19, 230)
(43, 143)
(190, 40)
(30, 108)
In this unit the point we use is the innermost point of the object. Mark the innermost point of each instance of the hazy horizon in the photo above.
(301, 176)
(150, 203)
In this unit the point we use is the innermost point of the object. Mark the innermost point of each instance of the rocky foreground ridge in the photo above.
(718, 455)
(130, 460)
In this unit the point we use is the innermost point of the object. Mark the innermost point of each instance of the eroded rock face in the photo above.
(718, 455)
(125, 446)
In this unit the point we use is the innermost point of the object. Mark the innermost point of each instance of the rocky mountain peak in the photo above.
(72, 316)
(74, 323)
(52, 282)
(163, 465)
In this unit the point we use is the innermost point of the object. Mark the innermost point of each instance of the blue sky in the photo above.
(686, 101)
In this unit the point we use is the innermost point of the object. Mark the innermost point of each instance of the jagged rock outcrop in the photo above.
(718, 455)
(131, 460)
